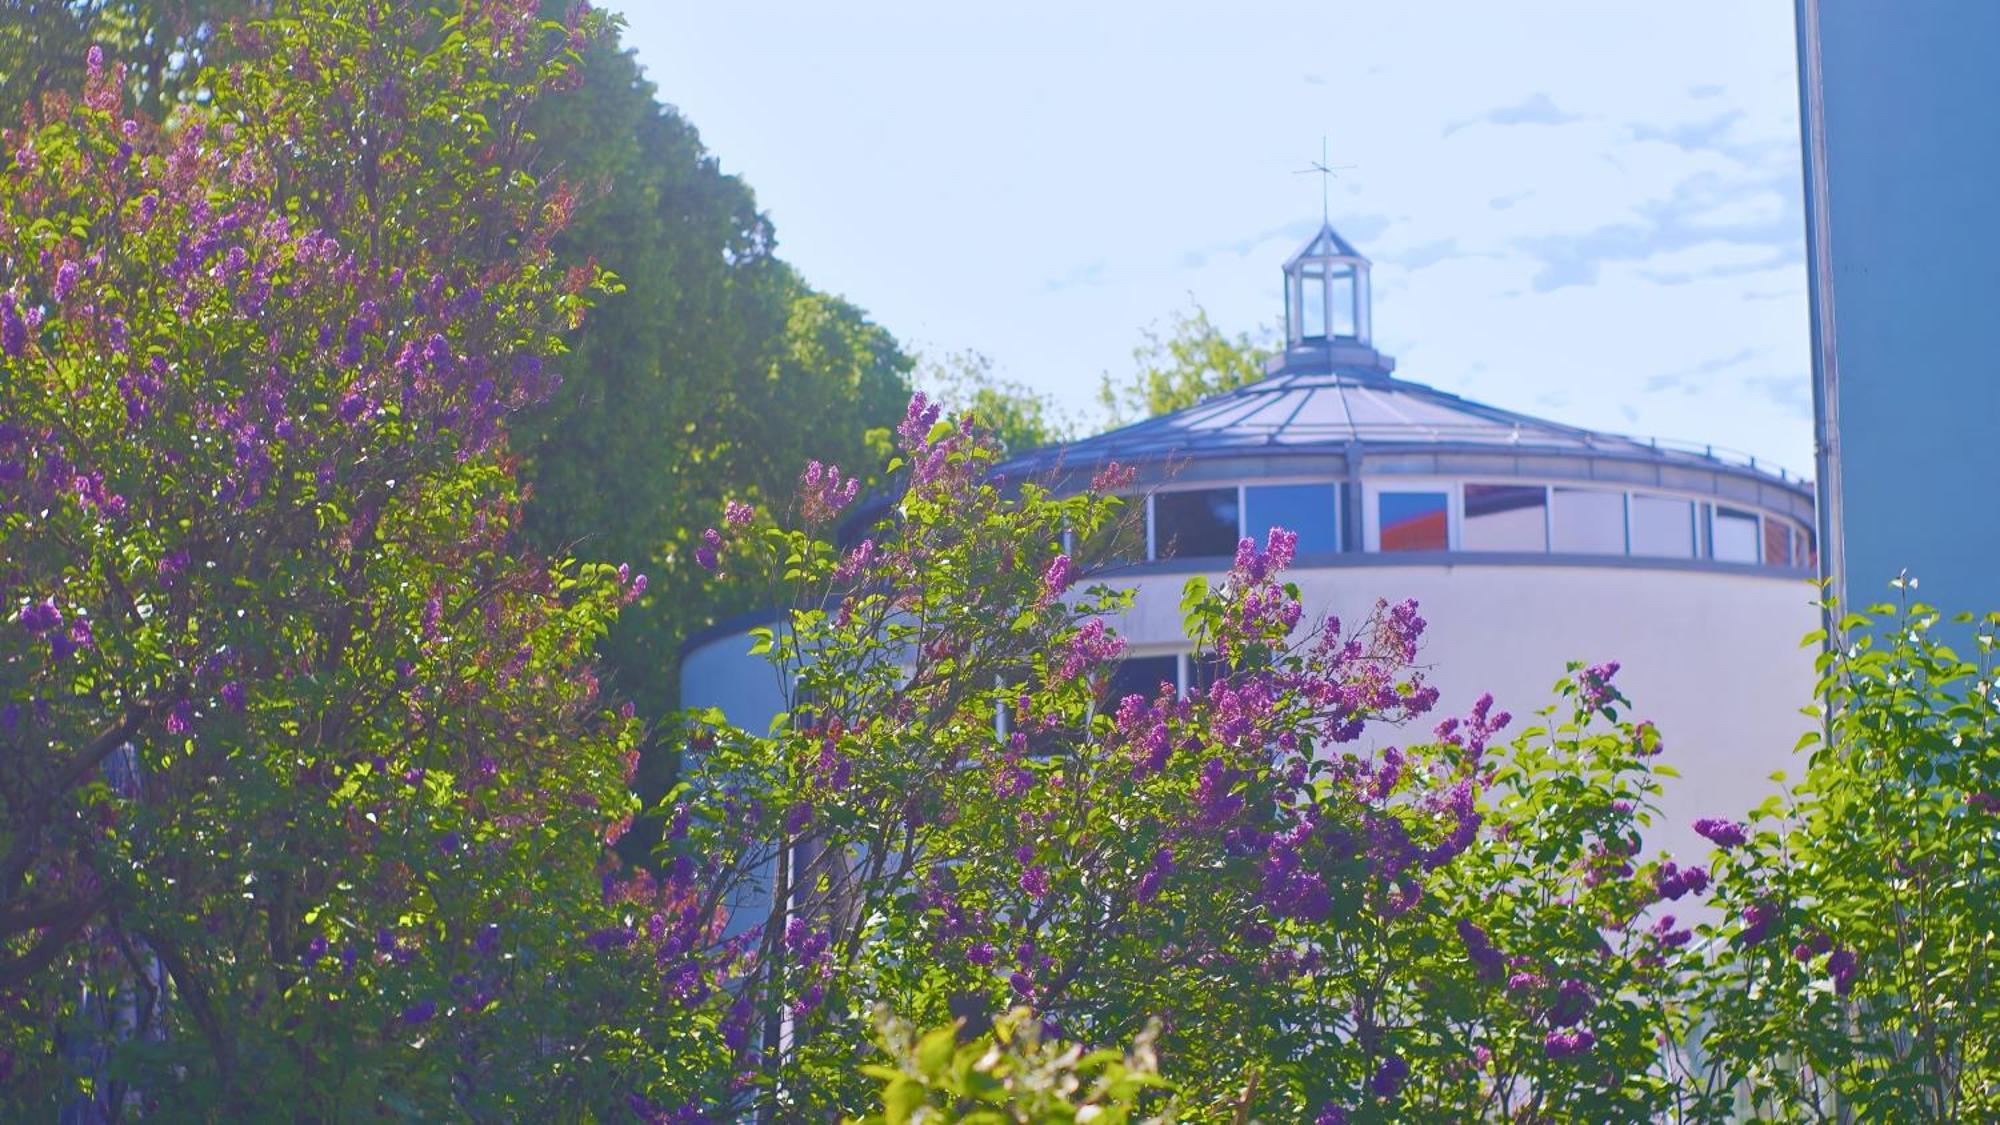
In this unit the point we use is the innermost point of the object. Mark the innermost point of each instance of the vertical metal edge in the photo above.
(1828, 498)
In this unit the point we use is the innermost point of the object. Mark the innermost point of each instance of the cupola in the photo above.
(1326, 292)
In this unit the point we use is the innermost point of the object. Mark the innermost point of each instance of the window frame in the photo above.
(1371, 501)
(1243, 511)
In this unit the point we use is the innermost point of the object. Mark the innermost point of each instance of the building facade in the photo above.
(1901, 149)
(1527, 544)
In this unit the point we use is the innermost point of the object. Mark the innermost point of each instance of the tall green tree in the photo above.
(1018, 416)
(714, 374)
(1179, 366)
(164, 44)
(305, 775)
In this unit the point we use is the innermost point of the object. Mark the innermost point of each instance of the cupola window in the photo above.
(1326, 292)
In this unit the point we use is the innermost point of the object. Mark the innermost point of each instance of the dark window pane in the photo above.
(1505, 517)
(1194, 524)
(1735, 535)
(1777, 542)
(1414, 521)
(1204, 670)
(1141, 675)
(1123, 540)
(1662, 527)
(1311, 510)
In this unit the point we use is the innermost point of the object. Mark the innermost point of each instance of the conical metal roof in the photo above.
(1333, 411)
(1326, 244)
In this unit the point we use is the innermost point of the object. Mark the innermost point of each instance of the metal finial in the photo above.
(1327, 173)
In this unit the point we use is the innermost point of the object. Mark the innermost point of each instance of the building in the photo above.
(1901, 147)
(1527, 543)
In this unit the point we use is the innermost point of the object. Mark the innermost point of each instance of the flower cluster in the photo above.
(1593, 686)
(1724, 834)
(823, 494)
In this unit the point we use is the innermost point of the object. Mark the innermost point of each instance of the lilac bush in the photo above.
(953, 818)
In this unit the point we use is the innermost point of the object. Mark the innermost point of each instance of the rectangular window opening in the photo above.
(1735, 535)
(1662, 527)
(1589, 521)
(1414, 521)
(1312, 511)
(1505, 517)
(1197, 523)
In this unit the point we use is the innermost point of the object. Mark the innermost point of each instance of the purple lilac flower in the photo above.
(1842, 966)
(738, 515)
(420, 1012)
(914, 430)
(1056, 579)
(66, 276)
(13, 330)
(1035, 881)
(1479, 950)
(981, 954)
(1593, 685)
(1390, 1076)
(1573, 1002)
(855, 561)
(40, 617)
(1757, 919)
(1725, 834)
(234, 694)
(610, 937)
(1569, 1044)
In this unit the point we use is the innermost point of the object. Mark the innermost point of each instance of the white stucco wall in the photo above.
(1712, 657)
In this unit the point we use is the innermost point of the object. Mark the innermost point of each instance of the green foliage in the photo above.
(1010, 1074)
(1869, 987)
(1019, 417)
(1311, 923)
(304, 774)
(1190, 361)
(714, 372)
(165, 43)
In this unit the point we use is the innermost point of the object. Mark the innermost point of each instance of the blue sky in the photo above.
(1589, 211)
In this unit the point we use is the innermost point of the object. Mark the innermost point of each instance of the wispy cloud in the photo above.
(1792, 392)
(1692, 380)
(1702, 209)
(1539, 109)
(1092, 273)
(1428, 254)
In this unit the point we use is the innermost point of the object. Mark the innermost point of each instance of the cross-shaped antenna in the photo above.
(1327, 173)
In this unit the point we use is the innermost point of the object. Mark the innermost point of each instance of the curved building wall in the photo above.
(1712, 657)
(1710, 654)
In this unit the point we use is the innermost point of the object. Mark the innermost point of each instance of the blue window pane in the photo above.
(1414, 521)
(1311, 510)
(1194, 524)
